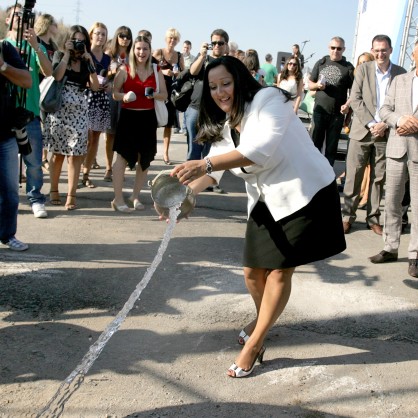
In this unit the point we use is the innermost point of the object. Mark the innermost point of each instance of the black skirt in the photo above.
(312, 233)
(136, 133)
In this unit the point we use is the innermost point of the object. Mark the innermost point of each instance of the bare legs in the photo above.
(118, 178)
(110, 138)
(92, 147)
(167, 137)
(270, 290)
(140, 178)
(55, 167)
(74, 165)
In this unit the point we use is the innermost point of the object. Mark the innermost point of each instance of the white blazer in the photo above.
(289, 170)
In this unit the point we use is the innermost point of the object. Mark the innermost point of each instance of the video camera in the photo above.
(21, 117)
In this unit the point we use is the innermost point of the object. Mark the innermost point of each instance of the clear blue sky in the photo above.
(267, 26)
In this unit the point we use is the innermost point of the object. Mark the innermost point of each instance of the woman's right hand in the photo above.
(189, 171)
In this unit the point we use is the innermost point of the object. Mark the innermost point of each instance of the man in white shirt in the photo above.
(368, 134)
(187, 56)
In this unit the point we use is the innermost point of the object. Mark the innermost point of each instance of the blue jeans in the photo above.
(33, 162)
(9, 188)
(327, 127)
(195, 151)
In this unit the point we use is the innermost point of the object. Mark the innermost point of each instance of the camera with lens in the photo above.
(210, 46)
(21, 117)
(79, 46)
(149, 92)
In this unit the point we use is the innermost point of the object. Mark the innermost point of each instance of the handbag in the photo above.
(160, 108)
(51, 94)
(181, 94)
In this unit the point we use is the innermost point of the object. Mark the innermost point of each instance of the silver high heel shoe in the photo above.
(243, 337)
(240, 372)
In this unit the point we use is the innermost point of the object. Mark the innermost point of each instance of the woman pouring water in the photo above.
(292, 194)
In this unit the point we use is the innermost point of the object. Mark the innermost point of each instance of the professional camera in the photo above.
(21, 117)
(79, 46)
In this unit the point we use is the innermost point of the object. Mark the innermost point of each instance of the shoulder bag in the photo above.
(51, 94)
(159, 106)
(182, 89)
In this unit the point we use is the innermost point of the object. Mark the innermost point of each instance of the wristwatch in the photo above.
(208, 166)
(3, 68)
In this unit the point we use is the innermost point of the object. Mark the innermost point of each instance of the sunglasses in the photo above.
(338, 48)
(122, 36)
(220, 43)
(292, 63)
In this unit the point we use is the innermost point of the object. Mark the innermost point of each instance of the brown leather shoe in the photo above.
(413, 267)
(346, 227)
(384, 257)
(376, 228)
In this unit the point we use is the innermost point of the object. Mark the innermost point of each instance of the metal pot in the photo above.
(167, 191)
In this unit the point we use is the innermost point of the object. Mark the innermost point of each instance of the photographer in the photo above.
(20, 19)
(12, 71)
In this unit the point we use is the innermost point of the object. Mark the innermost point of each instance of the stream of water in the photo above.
(55, 406)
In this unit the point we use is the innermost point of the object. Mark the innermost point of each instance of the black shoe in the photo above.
(384, 257)
(413, 267)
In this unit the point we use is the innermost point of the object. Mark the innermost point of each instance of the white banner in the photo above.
(379, 17)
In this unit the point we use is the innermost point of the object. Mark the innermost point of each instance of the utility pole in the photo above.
(410, 36)
(77, 12)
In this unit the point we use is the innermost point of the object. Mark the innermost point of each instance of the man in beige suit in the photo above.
(368, 134)
(400, 112)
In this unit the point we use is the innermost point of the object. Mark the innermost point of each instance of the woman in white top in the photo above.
(293, 200)
(291, 80)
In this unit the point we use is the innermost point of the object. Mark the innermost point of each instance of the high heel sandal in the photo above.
(70, 203)
(54, 198)
(240, 372)
(122, 208)
(137, 204)
(95, 165)
(87, 182)
(108, 176)
(243, 337)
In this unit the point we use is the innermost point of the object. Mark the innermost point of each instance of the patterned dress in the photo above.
(98, 101)
(65, 131)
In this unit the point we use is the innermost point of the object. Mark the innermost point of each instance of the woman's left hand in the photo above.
(189, 171)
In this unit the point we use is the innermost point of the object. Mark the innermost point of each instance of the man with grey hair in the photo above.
(270, 77)
(331, 79)
(233, 48)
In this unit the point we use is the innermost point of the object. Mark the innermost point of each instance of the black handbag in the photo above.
(51, 94)
(182, 90)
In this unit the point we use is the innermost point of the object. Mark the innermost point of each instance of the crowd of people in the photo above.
(236, 120)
